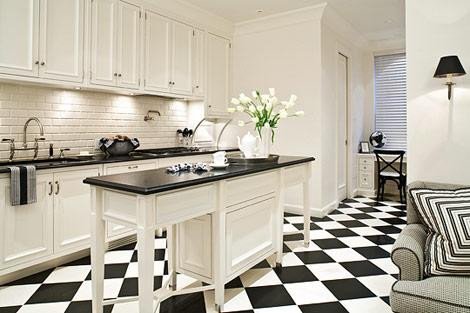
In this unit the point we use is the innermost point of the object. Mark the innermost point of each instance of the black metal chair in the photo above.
(388, 171)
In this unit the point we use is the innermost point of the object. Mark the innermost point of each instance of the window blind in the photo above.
(390, 99)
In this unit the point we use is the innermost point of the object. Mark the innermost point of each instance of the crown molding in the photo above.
(280, 20)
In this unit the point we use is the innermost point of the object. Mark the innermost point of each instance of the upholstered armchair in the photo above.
(413, 292)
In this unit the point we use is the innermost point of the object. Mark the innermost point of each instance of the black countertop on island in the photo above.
(102, 159)
(159, 180)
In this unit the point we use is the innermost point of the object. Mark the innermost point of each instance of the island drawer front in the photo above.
(177, 206)
(295, 175)
(243, 189)
(250, 233)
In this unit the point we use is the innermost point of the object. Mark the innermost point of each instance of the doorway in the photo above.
(342, 120)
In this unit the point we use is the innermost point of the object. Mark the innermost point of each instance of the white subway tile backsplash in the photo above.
(75, 119)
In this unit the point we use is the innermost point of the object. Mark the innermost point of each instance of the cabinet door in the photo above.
(198, 63)
(128, 66)
(19, 33)
(103, 42)
(26, 230)
(157, 52)
(61, 40)
(218, 71)
(181, 59)
(72, 211)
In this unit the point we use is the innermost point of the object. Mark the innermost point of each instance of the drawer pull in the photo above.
(133, 167)
(51, 189)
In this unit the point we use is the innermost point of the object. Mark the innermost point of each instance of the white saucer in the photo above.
(219, 165)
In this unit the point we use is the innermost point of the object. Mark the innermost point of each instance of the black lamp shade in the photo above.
(449, 65)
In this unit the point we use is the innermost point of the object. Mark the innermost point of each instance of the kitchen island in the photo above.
(219, 223)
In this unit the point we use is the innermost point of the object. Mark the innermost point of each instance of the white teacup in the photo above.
(219, 158)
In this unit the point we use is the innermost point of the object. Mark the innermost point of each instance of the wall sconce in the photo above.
(449, 66)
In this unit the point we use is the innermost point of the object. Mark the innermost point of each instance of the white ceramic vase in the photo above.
(264, 148)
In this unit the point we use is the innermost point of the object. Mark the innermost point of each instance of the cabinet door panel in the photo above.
(26, 230)
(61, 39)
(72, 210)
(128, 45)
(218, 71)
(198, 63)
(103, 43)
(157, 52)
(19, 32)
(182, 57)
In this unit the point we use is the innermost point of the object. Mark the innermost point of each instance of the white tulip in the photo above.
(254, 94)
(252, 109)
(272, 92)
(283, 113)
(231, 110)
(293, 99)
(274, 100)
(299, 113)
(287, 104)
(244, 99)
(255, 120)
(269, 105)
(235, 101)
(241, 123)
(260, 108)
(240, 108)
(264, 98)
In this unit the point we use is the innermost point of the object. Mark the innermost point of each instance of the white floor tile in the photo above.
(280, 309)
(341, 217)
(366, 231)
(295, 219)
(160, 243)
(298, 246)
(309, 292)
(129, 307)
(330, 225)
(16, 295)
(55, 307)
(344, 255)
(236, 300)
(114, 257)
(329, 271)
(380, 285)
(260, 277)
(386, 265)
(386, 208)
(133, 269)
(349, 211)
(111, 289)
(381, 215)
(357, 205)
(374, 222)
(355, 242)
(68, 274)
(320, 234)
(289, 228)
(366, 305)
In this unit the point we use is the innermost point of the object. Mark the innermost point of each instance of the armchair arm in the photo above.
(408, 252)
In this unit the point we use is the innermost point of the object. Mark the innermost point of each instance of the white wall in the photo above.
(75, 119)
(438, 131)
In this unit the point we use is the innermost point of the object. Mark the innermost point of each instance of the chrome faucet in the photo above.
(41, 131)
(12, 147)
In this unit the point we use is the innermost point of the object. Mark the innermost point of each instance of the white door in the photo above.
(72, 210)
(218, 71)
(182, 40)
(61, 40)
(26, 230)
(198, 63)
(103, 42)
(342, 120)
(19, 33)
(128, 66)
(157, 52)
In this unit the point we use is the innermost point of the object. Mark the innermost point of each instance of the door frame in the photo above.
(342, 50)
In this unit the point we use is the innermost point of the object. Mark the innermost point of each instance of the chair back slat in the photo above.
(384, 164)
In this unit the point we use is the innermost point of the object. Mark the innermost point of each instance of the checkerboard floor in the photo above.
(346, 268)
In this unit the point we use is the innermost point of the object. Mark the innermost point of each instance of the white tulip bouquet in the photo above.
(264, 110)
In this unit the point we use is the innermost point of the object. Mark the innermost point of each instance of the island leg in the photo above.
(306, 205)
(145, 247)
(171, 242)
(218, 256)
(97, 249)
(279, 240)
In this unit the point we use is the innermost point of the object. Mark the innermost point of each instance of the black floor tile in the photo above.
(373, 252)
(10, 309)
(295, 274)
(234, 283)
(300, 226)
(269, 296)
(190, 303)
(84, 307)
(342, 233)
(313, 257)
(33, 279)
(388, 229)
(262, 264)
(330, 243)
(361, 216)
(130, 286)
(55, 292)
(362, 268)
(352, 224)
(330, 307)
(293, 237)
(345, 289)
(394, 220)
(381, 239)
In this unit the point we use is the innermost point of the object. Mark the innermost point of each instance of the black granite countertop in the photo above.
(159, 180)
(102, 159)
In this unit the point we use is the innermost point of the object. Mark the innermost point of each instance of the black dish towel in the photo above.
(22, 185)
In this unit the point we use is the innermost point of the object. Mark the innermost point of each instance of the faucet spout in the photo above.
(41, 129)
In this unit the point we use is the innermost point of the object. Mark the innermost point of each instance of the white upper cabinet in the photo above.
(218, 72)
(19, 33)
(157, 52)
(103, 43)
(182, 59)
(61, 39)
(198, 63)
(128, 41)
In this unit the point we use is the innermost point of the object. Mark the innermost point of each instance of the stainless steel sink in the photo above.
(40, 161)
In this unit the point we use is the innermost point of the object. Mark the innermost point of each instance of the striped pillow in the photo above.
(446, 213)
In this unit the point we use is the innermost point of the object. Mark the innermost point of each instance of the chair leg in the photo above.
(401, 193)
(383, 189)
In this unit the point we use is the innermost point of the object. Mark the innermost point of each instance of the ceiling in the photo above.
(374, 19)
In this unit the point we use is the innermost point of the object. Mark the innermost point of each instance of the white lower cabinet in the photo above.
(26, 231)
(72, 200)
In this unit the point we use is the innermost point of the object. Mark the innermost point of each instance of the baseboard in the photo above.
(316, 212)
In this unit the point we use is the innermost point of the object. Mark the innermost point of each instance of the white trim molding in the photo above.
(315, 212)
